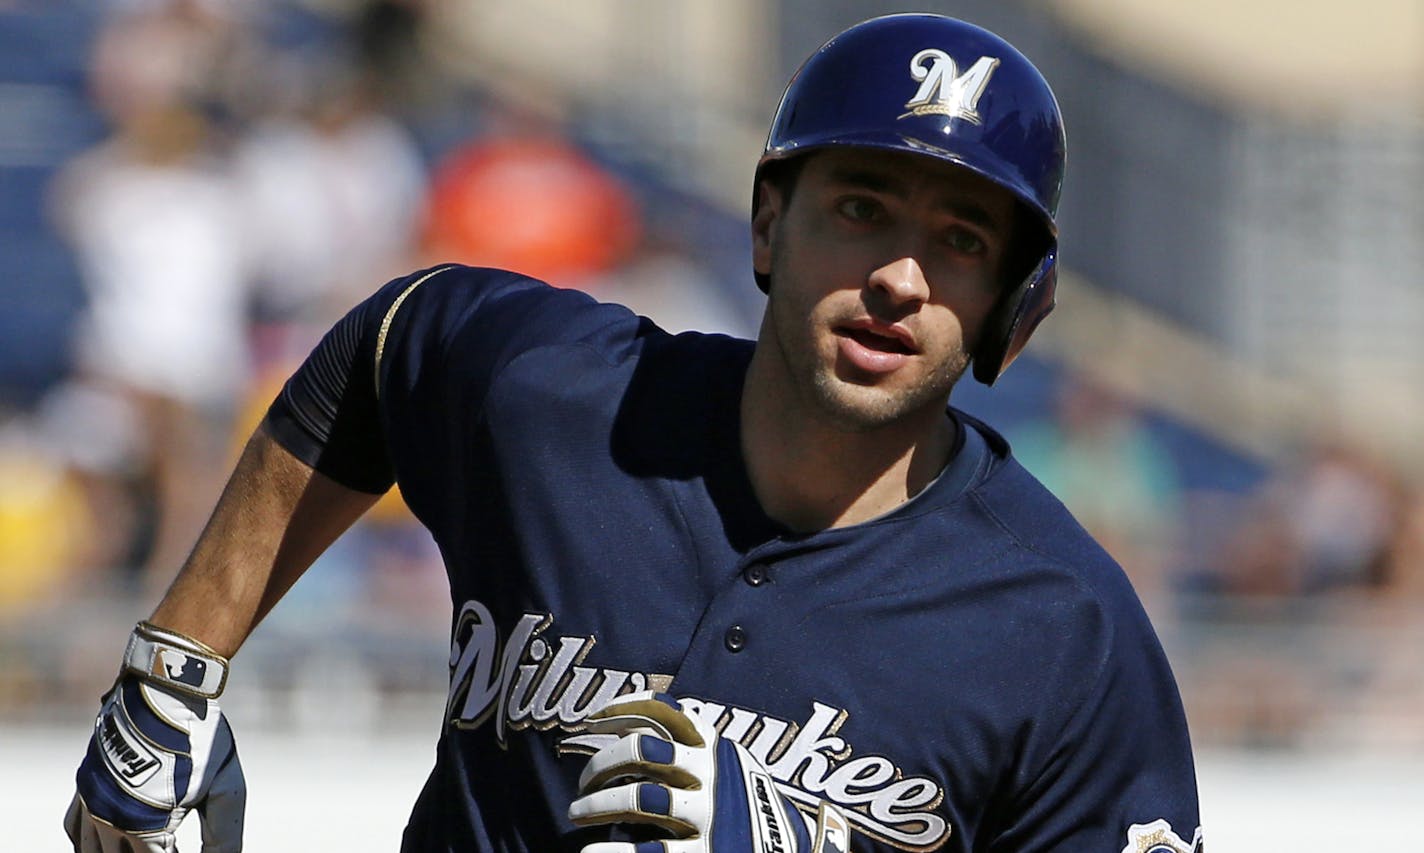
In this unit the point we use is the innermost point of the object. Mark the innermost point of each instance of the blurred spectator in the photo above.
(332, 189)
(151, 55)
(1342, 506)
(150, 213)
(1323, 526)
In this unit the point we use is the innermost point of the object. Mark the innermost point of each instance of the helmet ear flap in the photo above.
(764, 172)
(1018, 312)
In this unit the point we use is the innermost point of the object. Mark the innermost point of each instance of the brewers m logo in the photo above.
(943, 90)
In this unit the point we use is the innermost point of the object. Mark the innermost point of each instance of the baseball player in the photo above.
(712, 594)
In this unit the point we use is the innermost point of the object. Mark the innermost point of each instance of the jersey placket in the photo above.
(737, 636)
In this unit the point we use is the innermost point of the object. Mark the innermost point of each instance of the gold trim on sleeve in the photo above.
(390, 318)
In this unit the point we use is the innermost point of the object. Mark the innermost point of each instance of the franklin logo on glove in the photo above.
(770, 826)
(133, 762)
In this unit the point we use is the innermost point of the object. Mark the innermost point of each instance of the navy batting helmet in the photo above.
(940, 87)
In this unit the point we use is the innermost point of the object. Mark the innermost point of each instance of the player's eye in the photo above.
(860, 209)
(965, 241)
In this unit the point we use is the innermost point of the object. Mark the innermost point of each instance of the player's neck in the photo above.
(811, 475)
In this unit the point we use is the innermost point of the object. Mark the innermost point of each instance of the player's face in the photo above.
(883, 268)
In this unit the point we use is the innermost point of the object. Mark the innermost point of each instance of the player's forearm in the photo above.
(275, 516)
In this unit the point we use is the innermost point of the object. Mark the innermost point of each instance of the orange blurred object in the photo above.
(536, 206)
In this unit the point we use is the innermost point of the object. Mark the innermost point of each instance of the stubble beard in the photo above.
(852, 406)
(858, 408)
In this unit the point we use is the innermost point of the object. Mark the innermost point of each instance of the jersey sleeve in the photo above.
(390, 385)
(1119, 774)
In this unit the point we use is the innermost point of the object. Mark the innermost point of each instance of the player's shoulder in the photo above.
(1066, 589)
(1043, 535)
(1025, 508)
(460, 288)
(459, 307)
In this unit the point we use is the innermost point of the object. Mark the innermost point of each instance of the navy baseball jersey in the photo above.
(967, 672)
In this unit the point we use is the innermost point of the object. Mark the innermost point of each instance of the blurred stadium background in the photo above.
(1229, 393)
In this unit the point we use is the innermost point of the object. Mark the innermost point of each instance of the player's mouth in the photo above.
(875, 347)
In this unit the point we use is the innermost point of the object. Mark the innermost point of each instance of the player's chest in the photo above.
(883, 698)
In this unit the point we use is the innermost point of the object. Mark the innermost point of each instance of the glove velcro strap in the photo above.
(171, 660)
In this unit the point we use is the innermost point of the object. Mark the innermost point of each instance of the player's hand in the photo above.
(160, 749)
(671, 771)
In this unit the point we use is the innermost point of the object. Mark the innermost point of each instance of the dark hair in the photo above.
(780, 175)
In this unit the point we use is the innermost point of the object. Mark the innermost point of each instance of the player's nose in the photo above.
(901, 281)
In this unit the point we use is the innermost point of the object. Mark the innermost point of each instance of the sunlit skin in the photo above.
(883, 268)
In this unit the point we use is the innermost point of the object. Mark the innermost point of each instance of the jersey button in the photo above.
(735, 639)
(755, 574)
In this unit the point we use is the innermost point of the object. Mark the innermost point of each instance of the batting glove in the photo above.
(160, 748)
(675, 772)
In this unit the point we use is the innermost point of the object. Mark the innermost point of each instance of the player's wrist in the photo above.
(174, 661)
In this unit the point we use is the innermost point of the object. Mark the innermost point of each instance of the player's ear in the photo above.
(768, 212)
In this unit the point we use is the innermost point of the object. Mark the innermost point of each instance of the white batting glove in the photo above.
(160, 749)
(672, 771)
